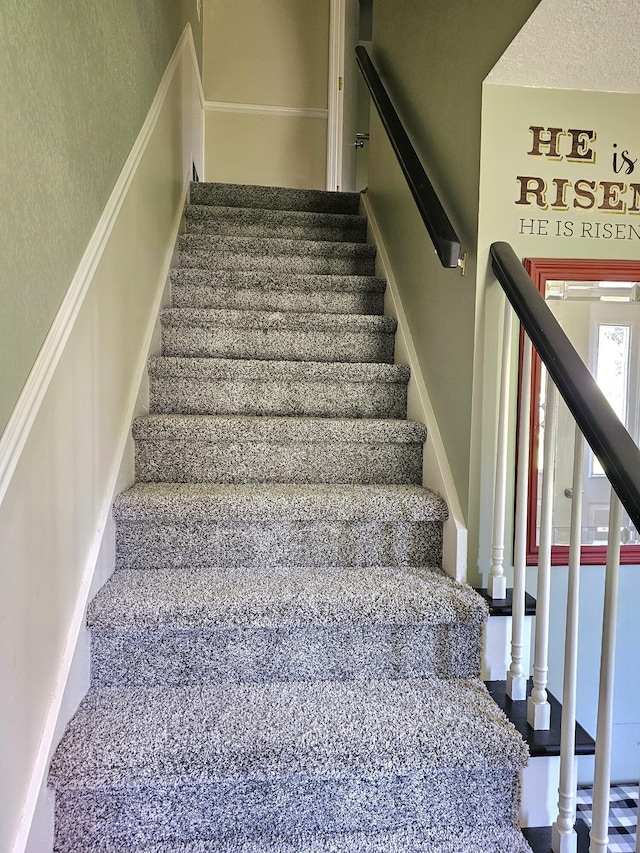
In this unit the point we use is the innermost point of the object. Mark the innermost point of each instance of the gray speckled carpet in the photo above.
(279, 664)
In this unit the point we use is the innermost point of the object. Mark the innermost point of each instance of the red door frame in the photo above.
(562, 269)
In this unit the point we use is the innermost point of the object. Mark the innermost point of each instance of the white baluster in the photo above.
(538, 707)
(517, 677)
(497, 585)
(564, 838)
(602, 777)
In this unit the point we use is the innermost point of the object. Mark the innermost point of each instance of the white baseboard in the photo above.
(436, 471)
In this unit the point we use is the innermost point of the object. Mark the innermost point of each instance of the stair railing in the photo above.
(597, 423)
(620, 459)
(442, 233)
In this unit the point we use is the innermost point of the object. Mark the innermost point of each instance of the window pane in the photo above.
(612, 368)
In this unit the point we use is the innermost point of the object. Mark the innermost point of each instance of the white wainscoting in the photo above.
(67, 450)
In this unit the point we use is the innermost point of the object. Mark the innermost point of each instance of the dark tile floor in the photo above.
(623, 814)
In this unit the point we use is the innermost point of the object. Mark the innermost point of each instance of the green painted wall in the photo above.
(433, 56)
(76, 82)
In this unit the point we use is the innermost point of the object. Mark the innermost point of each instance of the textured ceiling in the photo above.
(591, 45)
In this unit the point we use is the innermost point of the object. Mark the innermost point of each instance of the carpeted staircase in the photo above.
(278, 663)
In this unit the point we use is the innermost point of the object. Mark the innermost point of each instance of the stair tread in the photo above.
(278, 597)
(261, 369)
(541, 742)
(284, 731)
(267, 280)
(276, 320)
(273, 246)
(163, 502)
(406, 840)
(244, 221)
(273, 198)
(248, 213)
(246, 428)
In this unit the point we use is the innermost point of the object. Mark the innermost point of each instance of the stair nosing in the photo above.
(379, 503)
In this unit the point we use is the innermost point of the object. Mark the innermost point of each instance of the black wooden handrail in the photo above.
(601, 427)
(441, 231)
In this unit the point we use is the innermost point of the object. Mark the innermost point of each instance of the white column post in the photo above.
(564, 838)
(602, 777)
(497, 585)
(516, 676)
(538, 707)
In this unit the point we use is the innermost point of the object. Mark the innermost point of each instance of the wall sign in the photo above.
(593, 193)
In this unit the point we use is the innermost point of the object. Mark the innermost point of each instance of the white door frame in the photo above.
(335, 103)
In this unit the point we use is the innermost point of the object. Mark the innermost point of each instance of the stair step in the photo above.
(232, 760)
(257, 222)
(287, 336)
(321, 389)
(176, 627)
(408, 840)
(274, 198)
(160, 525)
(319, 257)
(250, 290)
(236, 449)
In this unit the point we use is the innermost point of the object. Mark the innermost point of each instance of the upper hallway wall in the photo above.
(260, 55)
(76, 82)
(433, 57)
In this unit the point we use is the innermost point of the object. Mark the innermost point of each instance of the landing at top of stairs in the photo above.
(274, 198)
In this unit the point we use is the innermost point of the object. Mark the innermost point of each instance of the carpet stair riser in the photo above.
(247, 222)
(190, 386)
(283, 336)
(273, 247)
(163, 656)
(271, 344)
(187, 295)
(246, 808)
(287, 543)
(268, 462)
(256, 291)
(274, 198)
(409, 840)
